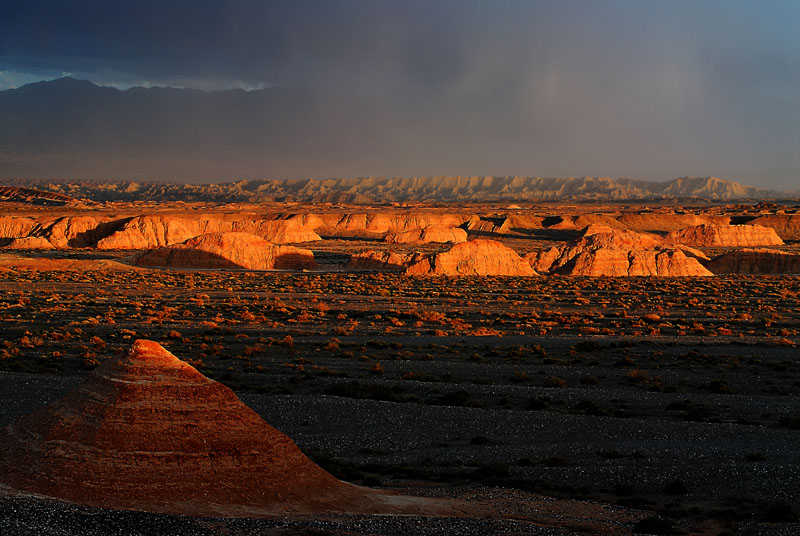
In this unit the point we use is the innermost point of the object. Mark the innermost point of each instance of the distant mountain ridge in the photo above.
(68, 131)
(414, 189)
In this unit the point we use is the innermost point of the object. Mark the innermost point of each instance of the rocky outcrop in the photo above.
(431, 233)
(275, 231)
(382, 261)
(228, 251)
(34, 197)
(755, 261)
(709, 235)
(476, 257)
(16, 227)
(657, 222)
(29, 242)
(604, 252)
(153, 231)
(786, 225)
(147, 232)
(149, 432)
(77, 231)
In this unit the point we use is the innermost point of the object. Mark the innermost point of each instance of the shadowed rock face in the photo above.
(725, 235)
(476, 257)
(228, 251)
(756, 261)
(606, 252)
(147, 431)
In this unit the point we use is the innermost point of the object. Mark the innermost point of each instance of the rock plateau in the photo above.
(755, 261)
(476, 257)
(228, 251)
(710, 235)
(603, 251)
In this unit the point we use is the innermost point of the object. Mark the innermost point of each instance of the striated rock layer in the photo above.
(606, 252)
(147, 431)
(431, 233)
(786, 225)
(710, 235)
(476, 257)
(146, 232)
(755, 261)
(228, 251)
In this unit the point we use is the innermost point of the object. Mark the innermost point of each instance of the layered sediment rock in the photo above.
(655, 222)
(755, 261)
(29, 242)
(431, 233)
(709, 235)
(147, 431)
(154, 231)
(618, 253)
(786, 225)
(76, 231)
(228, 251)
(476, 257)
(384, 261)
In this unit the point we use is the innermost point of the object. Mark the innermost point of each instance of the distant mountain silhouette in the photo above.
(75, 130)
(70, 128)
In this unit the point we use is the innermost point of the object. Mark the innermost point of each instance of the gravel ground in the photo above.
(708, 457)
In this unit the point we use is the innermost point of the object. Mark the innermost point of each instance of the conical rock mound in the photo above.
(150, 432)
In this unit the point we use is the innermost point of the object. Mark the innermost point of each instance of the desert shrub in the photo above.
(675, 487)
(481, 440)
(653, 525)
(555, 382)
(555, 461)
(780, 512)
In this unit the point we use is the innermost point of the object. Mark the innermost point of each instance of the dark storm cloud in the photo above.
(639, 87)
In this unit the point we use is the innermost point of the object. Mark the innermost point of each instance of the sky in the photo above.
(621, 88)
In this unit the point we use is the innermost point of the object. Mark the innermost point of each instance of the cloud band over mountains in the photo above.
(618, 88)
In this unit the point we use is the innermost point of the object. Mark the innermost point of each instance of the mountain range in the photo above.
(91, 142)
(406, 189)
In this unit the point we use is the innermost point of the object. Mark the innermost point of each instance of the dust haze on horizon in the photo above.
(620, 88)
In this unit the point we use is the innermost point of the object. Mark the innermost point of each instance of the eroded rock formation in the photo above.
(476, 257)
(153, 231)
(710, 235)
(606, 252)
(786, 225)
(228, 251)
(148, 431)
(755, 261)
(431, 233)
(384, 261)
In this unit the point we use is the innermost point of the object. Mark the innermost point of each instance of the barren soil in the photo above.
(556, 404)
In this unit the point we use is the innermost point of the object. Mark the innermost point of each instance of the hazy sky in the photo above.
(649, 89)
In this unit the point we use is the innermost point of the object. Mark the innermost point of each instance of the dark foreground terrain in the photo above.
(674, 398)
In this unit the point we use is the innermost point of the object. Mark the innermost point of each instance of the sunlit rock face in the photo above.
(786, 225)
(228, 251)
(153, 231)
(382, 261)
(431, 233)
(148, 431)
(755, 261)
(603, 251)
(476, 257)
(710, 235)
